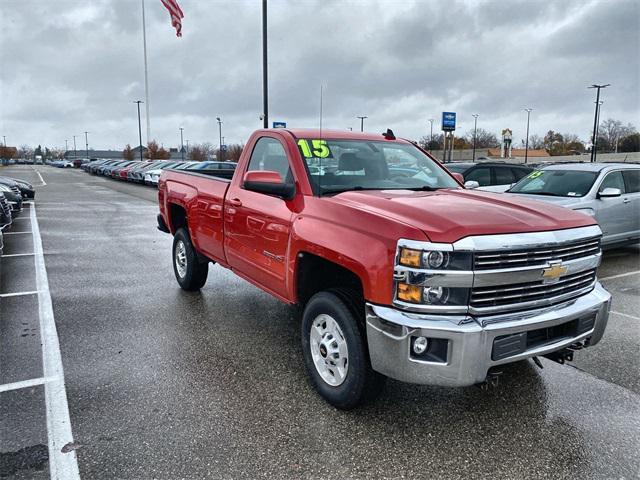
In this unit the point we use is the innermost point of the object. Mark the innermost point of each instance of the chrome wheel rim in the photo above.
(329, 350)
(181, 259)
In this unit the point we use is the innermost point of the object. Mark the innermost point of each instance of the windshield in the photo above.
(556, 183)
(340, 165)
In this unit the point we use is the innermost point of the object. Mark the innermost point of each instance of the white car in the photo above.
(151, 177)
(609, 192)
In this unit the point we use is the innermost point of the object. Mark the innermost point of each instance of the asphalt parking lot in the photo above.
(162, 383)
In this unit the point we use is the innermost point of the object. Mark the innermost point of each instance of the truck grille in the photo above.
(15, 190)
(4, 205)
(538, 256)
(518, 294)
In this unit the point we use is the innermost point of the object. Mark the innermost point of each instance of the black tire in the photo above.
(361, 383)
(194, 274)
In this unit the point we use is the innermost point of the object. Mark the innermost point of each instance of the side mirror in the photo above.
(471, 184)
(458, 176)
(610, 192)
(268, 182)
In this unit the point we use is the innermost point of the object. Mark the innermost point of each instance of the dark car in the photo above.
(25, 188)
(12, 194)
(491, 176)
(5, 212)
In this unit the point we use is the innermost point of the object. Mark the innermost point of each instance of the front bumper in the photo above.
(470, 342)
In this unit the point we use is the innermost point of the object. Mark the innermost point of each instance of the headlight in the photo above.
(4, 188)
(434, 259)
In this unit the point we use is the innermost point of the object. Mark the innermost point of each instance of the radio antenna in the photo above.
(320, 139)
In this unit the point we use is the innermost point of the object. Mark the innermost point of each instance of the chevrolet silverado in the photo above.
(400, 270)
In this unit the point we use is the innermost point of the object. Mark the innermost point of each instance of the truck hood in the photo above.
(448, 215)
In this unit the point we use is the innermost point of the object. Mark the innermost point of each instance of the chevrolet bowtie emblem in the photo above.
(554, 271)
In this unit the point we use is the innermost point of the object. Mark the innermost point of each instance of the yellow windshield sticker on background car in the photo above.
(318, 148)
(535, 174)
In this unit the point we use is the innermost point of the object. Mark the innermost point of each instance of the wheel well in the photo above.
(316, 274)
(177, 217)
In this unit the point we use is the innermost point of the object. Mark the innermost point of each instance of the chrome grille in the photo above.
(15, 190)
(539, 256)
(521, 293)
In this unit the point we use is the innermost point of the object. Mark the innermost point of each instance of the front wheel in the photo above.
(190, 272)
(335, 352)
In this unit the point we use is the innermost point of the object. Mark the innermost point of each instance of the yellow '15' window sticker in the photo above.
(535, 174)
(314, 148)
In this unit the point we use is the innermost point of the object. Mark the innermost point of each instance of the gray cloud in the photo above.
(72, 65)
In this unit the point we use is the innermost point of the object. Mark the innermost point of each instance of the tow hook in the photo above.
(492, 380)
(561, 356)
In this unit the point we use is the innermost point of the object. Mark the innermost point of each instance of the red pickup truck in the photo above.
(402, 272)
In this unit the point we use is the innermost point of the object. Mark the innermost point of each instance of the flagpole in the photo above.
(146, 74)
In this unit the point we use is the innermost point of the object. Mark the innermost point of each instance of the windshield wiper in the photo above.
(542, 193)
(423, 188)
(348, 189)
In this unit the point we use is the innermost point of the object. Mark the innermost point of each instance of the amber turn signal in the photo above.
(410, 258)
(409, 293)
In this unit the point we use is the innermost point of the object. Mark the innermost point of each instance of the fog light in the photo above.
(420, 345)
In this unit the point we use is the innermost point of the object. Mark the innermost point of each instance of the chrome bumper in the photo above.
(470, 341)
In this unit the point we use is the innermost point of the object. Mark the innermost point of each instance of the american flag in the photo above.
(176, 15)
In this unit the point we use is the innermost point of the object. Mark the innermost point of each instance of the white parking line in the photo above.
(34, 382)
(61, 465)
(17, 255)
(17, 233)
(625, 315)
(18, 294)
(40, 177)
(621, 275)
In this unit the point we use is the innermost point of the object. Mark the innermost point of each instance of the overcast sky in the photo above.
(73, 65)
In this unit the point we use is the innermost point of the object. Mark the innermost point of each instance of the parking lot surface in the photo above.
(162, 383)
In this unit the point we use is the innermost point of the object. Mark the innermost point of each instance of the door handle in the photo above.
(236, 202)
(626, 200)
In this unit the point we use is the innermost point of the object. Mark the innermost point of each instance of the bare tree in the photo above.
(197, 153)
(128, 153)
(154, 152)
(536, 142)
(484, 139)
(233, 152)
(610, 132)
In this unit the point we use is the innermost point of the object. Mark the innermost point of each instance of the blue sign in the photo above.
(279, 124)
(448, 121)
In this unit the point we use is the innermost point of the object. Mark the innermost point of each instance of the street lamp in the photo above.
(75, 151)
(139, 127)
(526, 142)
(475, 131)
(431, 135)
(220, 132)
(596, 119)
(187, 142)
(86, 143)
(361, 122)
(66, 145)
(181, 144)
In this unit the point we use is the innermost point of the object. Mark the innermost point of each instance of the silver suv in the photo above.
(610, 192)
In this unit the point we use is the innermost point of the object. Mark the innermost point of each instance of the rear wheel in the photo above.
(190, 272)
(335, 351)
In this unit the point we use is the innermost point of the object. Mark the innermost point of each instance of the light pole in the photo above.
(265, 90)
(220, 133)
(75, 151)
(181, 144)
(598, 106)
(475, 131)
(187, 142)
(362, 123)
(4, 141)
(595, 119)
(66, 145)
(431, 134)
(86, 143)
(526, 142)
(139, 128)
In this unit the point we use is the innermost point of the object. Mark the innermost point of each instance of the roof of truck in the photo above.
(334, 134)
(587, 167)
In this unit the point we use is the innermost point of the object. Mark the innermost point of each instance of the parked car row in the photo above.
(12, 193)
(148, 172)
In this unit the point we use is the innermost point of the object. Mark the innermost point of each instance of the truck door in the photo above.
(610, 211)
(257, 225)
(631, 199)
